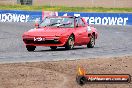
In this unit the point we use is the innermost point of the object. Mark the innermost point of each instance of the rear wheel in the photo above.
(53, 47)
(92, 42)
(70, 43)
(30, 48)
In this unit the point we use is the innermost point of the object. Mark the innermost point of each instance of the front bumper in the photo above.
(45, 41)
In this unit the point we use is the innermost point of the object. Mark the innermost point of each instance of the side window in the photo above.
(79, 22)
(76, 21)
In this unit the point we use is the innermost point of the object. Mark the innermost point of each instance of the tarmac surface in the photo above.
(112, 41)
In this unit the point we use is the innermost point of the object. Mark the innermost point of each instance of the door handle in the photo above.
(80, 33)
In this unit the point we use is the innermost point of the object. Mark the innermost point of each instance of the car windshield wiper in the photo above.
(65, 24)
(52, 24)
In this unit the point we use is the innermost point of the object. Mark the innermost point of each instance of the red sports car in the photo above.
(60, 31)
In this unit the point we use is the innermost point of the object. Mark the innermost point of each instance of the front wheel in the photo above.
(30, 48)
(81, 80)
(92, 42)
(70, 43)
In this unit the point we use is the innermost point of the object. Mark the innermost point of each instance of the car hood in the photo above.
(48, 31)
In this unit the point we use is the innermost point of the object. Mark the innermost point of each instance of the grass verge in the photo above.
(62, 8)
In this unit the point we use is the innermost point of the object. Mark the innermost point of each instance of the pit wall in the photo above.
(91, 18)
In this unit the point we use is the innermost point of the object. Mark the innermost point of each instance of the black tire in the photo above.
(30, 48)
(70, 43)
(92, 42)
(81, 80)
(53, 47)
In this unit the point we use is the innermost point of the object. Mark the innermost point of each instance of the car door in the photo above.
(82, 31)
(78, 32)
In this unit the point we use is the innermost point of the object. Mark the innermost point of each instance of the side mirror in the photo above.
(36, 25)
(77, 25)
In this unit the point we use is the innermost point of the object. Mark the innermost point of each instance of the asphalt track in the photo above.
(112, 41)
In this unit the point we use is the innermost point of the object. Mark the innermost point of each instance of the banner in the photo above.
(91, 18)
(19, 16)
(102, 18)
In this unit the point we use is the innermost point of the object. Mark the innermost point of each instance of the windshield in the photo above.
(58, 22)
